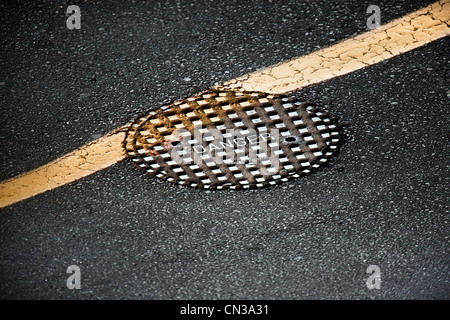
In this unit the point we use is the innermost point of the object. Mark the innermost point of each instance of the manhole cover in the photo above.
(226, 139)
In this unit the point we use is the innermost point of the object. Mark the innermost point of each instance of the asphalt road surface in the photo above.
(383, 199)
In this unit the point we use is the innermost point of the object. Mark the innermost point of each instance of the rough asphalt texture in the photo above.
(383, 200)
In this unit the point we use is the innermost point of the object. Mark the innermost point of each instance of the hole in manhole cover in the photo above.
(237, 140)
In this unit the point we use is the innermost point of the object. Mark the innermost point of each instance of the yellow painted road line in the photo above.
(95, 156)
(399, 36)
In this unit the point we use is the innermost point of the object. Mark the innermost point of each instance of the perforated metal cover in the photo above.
(226, 139)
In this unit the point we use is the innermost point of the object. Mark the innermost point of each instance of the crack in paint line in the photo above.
(399, 36)
(394, 38)
(97, 155)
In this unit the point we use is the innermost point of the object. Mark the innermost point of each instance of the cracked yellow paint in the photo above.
(397, 37)
(95, 156)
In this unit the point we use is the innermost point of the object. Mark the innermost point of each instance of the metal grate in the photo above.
(237, 140)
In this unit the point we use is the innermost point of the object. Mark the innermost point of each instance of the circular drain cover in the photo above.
(226, 139)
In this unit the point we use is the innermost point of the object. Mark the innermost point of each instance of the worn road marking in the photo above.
(90, 158)
(399, 36)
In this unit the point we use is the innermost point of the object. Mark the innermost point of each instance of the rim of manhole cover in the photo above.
(236, 140)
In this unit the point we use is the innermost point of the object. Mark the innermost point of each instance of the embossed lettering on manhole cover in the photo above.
(226, 139)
